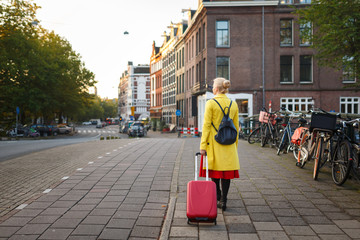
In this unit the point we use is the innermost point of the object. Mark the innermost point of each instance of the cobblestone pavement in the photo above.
(136, 189)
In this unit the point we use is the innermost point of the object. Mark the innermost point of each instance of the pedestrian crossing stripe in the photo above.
(95, 131)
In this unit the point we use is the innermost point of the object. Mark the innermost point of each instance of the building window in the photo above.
(204, 36)
(197, 44)
(286, 32)
(305, 69)
(204, 69)
(286, 1)
(350, 105)
(182, 57)
(297, 104)
(286, 69)
(222, 34)
(348, 70)
(223, 67)
(304, 29)
(305, 1)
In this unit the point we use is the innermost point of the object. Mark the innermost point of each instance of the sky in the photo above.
(95, 29)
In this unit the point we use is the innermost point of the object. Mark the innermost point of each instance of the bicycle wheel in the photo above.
(295, 150)
(317, 161)
(282, 143)
(264, 134)
(341, 163)
(254, 136)
(303, 153)
(277, 135)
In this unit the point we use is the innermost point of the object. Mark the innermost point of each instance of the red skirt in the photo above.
(218, 174)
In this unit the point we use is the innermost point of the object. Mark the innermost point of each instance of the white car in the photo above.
(86, 123)
(64, 129)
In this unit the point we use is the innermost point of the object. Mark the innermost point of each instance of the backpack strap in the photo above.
(222, 111)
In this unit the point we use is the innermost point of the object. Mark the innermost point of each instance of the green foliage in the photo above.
(110, 108)
(336, 33)
(39, 71)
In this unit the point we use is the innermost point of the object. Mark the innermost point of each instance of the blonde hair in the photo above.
(222, 84)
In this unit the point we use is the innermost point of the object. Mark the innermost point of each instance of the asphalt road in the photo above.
(13, 149)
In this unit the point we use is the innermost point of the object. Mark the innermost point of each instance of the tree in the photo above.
(39, 71)
(336, 33)
(110, 108)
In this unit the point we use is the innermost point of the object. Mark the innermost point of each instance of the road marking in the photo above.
(64, 178)
(107, 153)
(90, 162)
(79, 169)
(22, 206)
(100, 157)
(115, 150)
(47, 190)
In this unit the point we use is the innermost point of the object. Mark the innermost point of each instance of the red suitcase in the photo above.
(201, 198)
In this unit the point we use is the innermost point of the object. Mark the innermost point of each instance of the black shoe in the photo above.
(223, 207)
(219, 204)
(223, 204)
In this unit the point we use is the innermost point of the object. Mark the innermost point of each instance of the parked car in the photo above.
(86, 123)
(64, 129)
(54, 130)
(33, 133)
(100, 125)
(94, 121)
(136, 131)
(44, 130)
(22, 131)
(123, 129)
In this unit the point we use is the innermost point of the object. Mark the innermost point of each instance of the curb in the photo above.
(165, 230)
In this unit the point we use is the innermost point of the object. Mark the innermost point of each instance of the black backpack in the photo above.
(227, 133)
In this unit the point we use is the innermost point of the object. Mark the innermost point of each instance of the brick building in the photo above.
(257, 45)
(155, 86)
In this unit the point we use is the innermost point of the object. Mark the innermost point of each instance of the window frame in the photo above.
(304, 1)
(302, 27)
(311, 70)
(349, 101)
(292, 33)
(294, 101)
(292, 70)
(228, 34)
(350, 71)
(285, 2)
(217, 66)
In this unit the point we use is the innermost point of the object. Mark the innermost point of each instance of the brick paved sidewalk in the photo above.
(139, 192)
(273, 199)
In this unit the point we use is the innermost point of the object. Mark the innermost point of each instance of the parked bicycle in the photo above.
(285, 143)
(315, 143)
(254, 136)
(346, 152)
(269, 128)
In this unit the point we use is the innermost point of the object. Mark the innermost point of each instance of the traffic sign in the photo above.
(131, 118)
(17, 110)
(178, 113)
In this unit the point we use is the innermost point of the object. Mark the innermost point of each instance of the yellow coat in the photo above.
(220, 157)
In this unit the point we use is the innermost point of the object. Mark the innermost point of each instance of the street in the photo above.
(12, 149)
(136, 188)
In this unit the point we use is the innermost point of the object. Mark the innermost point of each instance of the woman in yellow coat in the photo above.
(223, 159)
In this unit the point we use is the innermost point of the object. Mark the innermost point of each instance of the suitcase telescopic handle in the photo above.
(207, 167)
